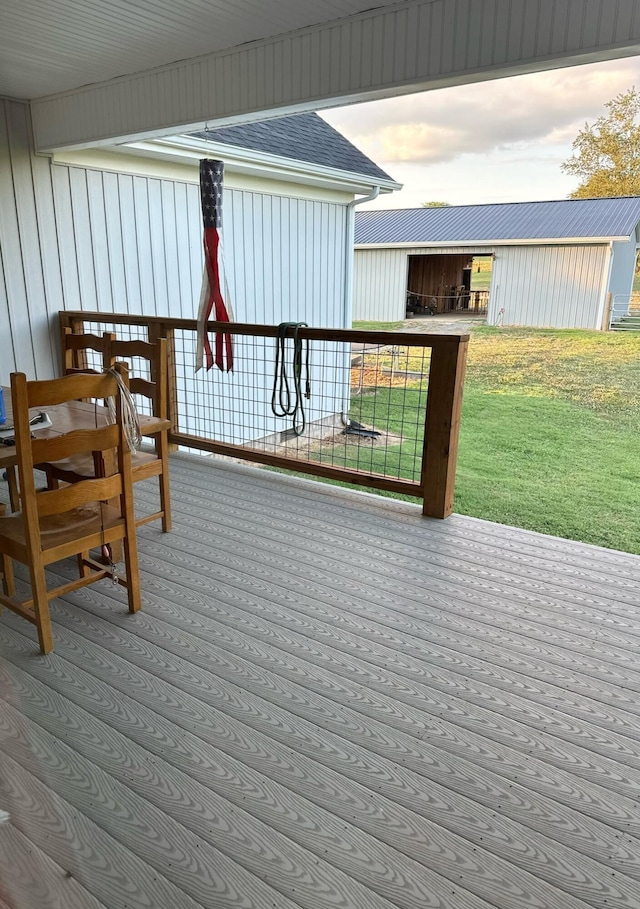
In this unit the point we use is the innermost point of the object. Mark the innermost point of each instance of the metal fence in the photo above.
(624, 312)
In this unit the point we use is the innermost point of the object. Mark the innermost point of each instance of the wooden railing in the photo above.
(383, 412)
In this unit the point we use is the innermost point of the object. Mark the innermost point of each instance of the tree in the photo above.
(436, 204)
(606, 155)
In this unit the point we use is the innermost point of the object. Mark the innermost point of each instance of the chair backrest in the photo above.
(105, 437)
(153, 385)
(75, 347)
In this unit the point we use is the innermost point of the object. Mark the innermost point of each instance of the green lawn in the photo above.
(550, 437)
(550, 434)
(377, 326)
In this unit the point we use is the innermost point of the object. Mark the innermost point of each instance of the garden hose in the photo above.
(286, 402)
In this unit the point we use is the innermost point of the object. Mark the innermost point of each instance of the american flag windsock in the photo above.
(214, 283)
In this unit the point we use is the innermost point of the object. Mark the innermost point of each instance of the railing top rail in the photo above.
(415, 339)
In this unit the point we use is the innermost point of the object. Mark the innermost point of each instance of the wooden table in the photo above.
(64, 418)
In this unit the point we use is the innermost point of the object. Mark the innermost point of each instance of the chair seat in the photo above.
(56, 530)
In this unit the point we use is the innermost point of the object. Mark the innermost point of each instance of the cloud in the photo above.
(438, 126)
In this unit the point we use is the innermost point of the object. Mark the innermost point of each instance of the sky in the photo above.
(497, 141)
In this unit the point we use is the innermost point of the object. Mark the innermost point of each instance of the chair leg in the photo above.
(41, 607)
(163, 480)
(8, 582)
(130, 547)
(83, 570)
(14, 492)
(165, 501)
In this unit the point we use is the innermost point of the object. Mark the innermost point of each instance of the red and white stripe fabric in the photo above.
(214, 296)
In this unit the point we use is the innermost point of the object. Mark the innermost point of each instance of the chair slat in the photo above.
(75, 347)
(104, 438)
(143, 349)
(144, 387)
(57, 391)
(60, 501)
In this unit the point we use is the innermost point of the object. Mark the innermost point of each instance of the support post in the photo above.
(442, 425)
(607, 312)
(161, 330)
(76, 325)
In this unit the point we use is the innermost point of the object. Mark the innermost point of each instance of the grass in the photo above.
(550, 434)
(377, 326)
(481, 273)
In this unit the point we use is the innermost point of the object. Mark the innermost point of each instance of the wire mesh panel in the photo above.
(342, 404)
(378, 409)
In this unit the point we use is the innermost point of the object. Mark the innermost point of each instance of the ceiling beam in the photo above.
(412, 46)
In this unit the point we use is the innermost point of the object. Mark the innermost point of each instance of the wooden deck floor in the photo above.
(327, 701)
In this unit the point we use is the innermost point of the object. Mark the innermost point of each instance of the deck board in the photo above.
(28, 877)
(331, 701)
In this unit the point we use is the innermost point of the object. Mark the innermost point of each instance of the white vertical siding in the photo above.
(79, 238)
(549, 286)
(27, 294)
(379, 285)
(623, 267)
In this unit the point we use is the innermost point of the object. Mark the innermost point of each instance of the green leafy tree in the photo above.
(606, 154)
(436, 204)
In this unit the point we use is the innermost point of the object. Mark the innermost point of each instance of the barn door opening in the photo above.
(481, 272)
(447, 283)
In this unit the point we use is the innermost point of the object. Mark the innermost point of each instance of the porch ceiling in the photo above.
(49, 47)
(114, 70)
(327, 701)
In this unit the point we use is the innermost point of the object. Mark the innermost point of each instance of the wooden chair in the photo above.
(6, 566)
(74, 360)
(145, 464)
(58, 523)
(75, 347)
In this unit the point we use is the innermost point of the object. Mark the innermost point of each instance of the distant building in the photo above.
(555, 264)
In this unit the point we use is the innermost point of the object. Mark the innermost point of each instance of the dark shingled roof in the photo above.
(565, 219)
(303, 137)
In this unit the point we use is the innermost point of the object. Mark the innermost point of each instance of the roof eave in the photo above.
(261, 164)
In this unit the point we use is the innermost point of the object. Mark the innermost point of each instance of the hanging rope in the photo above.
(130, 419)
(286, 402)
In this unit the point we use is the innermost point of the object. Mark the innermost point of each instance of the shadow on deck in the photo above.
(327, 701)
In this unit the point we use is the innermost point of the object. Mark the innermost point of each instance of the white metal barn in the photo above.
(556, 264)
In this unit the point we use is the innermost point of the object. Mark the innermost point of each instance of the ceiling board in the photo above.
(48, 47)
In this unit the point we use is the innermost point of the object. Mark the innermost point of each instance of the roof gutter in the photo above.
(348, 253)
(257, 163)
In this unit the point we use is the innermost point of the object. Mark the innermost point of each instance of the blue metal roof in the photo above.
(477, 224)
(303, 137)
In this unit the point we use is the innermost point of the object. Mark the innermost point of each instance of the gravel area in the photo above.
(442, 324)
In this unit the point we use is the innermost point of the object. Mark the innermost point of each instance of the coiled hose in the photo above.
(285, 401)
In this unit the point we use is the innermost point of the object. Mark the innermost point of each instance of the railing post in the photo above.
(77, 327)
(442, 425)
(606, 321)
(161, 330)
